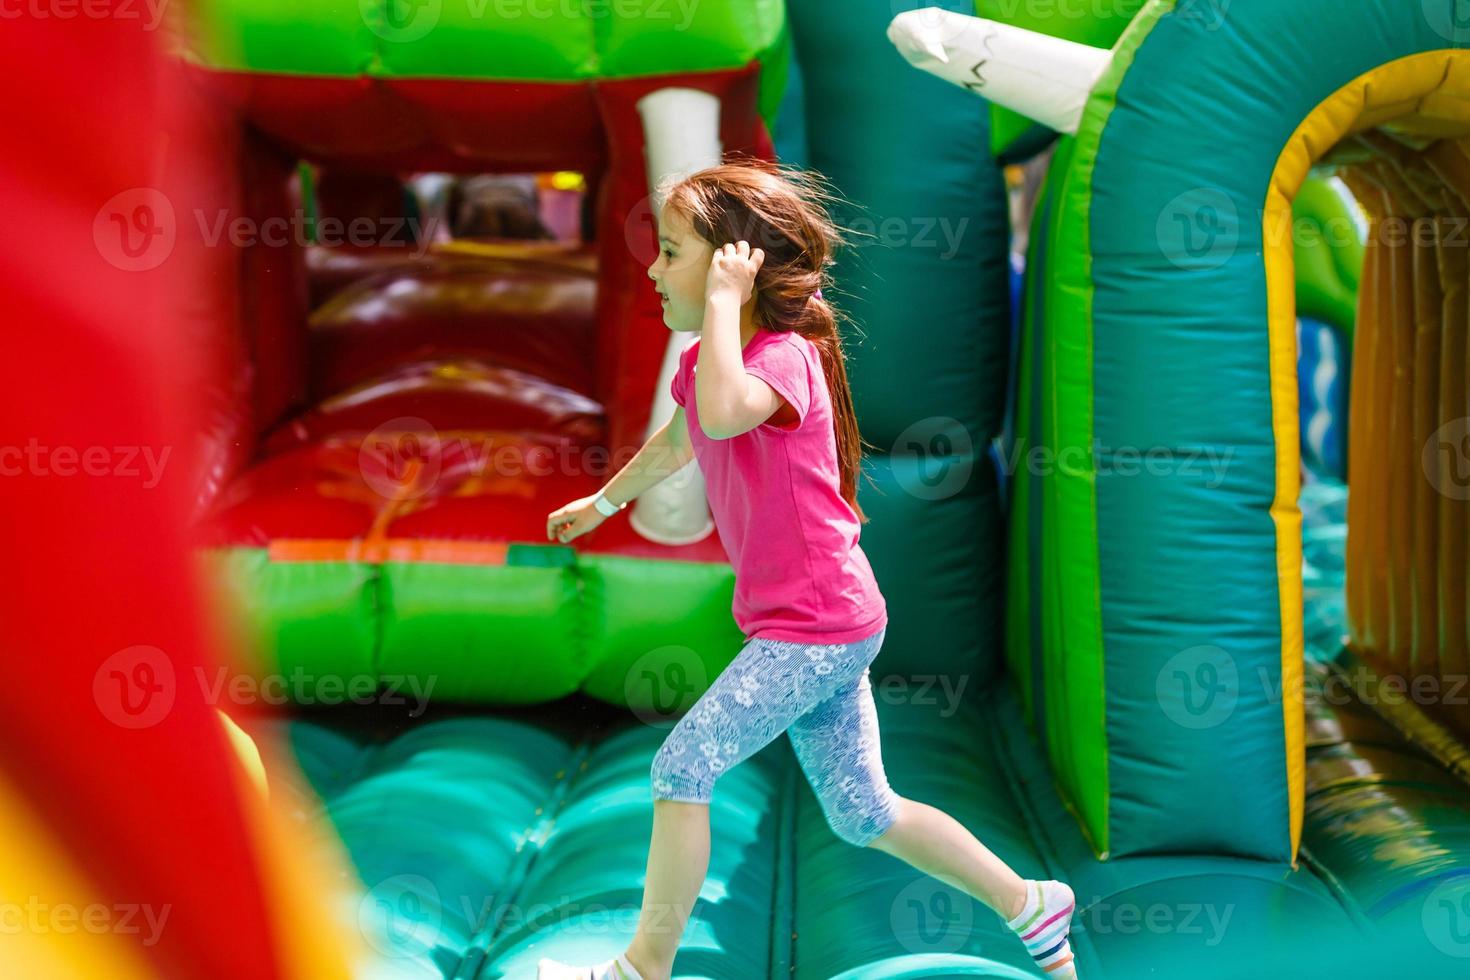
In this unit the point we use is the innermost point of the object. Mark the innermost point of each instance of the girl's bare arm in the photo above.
(665, 453)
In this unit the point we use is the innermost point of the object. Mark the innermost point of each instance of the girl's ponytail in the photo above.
(819, 325)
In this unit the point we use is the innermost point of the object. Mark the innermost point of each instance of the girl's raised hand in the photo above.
(732, 270)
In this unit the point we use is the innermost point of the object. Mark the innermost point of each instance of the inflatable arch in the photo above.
(1161, 319)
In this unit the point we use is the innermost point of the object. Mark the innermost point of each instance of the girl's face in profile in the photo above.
(680, 271)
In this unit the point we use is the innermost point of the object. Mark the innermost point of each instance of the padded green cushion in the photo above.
(527, 40)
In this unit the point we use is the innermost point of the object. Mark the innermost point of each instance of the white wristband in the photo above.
(606, 507)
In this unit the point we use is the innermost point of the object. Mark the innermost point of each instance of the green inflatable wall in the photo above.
(928, 290)
(1146, 316)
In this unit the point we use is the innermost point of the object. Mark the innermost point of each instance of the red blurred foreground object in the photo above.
(113, 757)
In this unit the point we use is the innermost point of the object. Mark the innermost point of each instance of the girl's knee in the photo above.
(677, 775)
(862, 823)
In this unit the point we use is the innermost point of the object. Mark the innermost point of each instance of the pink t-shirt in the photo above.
(775, 497)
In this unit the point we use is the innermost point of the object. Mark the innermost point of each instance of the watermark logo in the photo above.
(942, 235)
(1205, 920)
(136, 229)
(933, 457)
(933, 233)
(1209, 13)
(400, 21)
(640, 231)
(150, 12)
(38, 459)
(1198, 688)
(36, 916)
(664, 683)
(1198, 229)
(402, 458)
(944, 691)
(135, 687)
(1446, 917)
(931, 916)
(1450, 19)
(304, 688)
(933, 22)
(400, 916)
(1205, 465)
(1446, 459)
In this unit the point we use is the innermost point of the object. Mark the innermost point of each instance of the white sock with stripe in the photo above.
(1043, 924)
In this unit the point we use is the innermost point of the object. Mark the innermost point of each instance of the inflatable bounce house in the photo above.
(319, 699)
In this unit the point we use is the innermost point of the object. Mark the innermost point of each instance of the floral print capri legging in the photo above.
(819, 694)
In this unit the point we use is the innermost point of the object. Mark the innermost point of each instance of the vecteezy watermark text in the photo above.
(1207, 464)
(36, 459)
(37, 917)
(137, 230)
(136, 687)
(150, 12)
(300, 229)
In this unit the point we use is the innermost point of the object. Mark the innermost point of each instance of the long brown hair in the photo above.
(787, 213)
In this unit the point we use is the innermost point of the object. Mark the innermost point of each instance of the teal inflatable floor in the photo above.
(484, 841)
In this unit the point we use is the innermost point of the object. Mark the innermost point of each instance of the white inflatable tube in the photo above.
(1042, 77)
(681, 129)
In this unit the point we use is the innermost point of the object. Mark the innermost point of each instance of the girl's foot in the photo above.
(614, 969)
(1043, 924)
